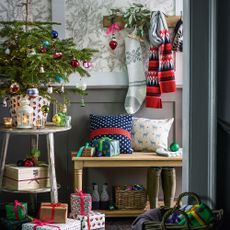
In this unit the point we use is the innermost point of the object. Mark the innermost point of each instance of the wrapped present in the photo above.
(39, 225)
(81, 203)
(199, 215)
(86, 151)
(12, 224)
(106, 147)
(53, 212)
(25, 178)
(16, 210)
(110, 148)
(94, 220)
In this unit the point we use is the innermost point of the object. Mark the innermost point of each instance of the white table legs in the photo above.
(53, 182)
(5, 143)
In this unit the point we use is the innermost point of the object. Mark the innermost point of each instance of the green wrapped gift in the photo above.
(199, 215)
(110, 148)
(16, 210)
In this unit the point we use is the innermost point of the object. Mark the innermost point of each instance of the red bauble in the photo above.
(113, 44)
(14, 88)
(43, 50)
(57, 55)
(75, 63)
(28, 163)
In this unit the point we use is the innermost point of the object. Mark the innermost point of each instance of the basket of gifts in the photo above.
(196, 216)
(130, 197)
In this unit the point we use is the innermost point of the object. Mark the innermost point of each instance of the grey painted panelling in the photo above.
(100, 101)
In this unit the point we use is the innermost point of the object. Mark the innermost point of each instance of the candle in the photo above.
(7, 122)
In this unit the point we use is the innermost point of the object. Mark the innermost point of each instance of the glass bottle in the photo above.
(104, 197)
(95, 197)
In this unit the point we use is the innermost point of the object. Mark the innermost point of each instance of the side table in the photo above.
(34, 133)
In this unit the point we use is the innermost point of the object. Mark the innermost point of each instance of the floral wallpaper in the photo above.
(13, 10)
(84, 24)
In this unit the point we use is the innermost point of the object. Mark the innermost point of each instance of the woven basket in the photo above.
(130, 199)
(155, 225)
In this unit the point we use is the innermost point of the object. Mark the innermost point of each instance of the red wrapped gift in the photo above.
(53, 212)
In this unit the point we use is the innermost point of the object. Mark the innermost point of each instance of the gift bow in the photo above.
(82, 148)
(39, 223)
(18, 204)
(113, 29)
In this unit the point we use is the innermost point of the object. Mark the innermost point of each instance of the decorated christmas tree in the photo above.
(33, 57)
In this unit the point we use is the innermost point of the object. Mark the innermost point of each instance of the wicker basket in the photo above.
(156, 225)
(130, 199)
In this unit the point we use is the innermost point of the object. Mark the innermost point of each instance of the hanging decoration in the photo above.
(74, 63)
(54, 34)
(14, 88)
(113, 29)
(87, 64)
(50, 89)
(42, 69)
(57, 55)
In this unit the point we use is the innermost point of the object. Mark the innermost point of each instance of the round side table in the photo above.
(34, 133)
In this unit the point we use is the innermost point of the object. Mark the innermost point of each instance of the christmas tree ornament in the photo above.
(45, 43)
(62, 89)
(31, 52)
(54, 34)
(57, 55)
(20, 163)
(14, 88)
(174, 147)
(50, 89)
(28, 163)
(42, 70)
(113, 43)
(82, 101)
(32, 92)
(75, 63)
(58, 78)
(114, 28)
(4, 103)
(7, 51)
(87, 64)
(43, 50)
(45, 109)
(81, 84)
(56, 119)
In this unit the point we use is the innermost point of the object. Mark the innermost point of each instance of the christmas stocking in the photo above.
(136, 74)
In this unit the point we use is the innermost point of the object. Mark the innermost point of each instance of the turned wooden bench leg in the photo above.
(78, 176)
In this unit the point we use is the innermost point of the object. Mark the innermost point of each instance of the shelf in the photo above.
(40, 190)
(122, 213)
(171, 21)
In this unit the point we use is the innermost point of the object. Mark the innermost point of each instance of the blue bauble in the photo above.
(32, 92)
(45, 43)
(58, 78)
(54, 34)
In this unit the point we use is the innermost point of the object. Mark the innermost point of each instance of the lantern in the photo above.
(25, 115)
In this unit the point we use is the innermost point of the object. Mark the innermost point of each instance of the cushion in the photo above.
(117, 127)
(150, 134)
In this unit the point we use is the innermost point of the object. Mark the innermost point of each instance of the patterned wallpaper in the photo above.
(12, 10)
(84, 24)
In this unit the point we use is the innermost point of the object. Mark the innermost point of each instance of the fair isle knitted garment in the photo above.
(160, 76)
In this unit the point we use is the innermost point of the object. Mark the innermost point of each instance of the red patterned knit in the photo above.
(160, 77)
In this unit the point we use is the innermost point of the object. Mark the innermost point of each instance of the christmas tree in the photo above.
(32, 56)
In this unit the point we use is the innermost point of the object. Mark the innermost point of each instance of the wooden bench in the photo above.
(137, 159)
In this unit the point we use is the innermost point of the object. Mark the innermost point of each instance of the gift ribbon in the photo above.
(101, 140)
(39, 223)
(81, 195)
(112, 29)
(53, 206)
(107, 131)
(18, 204)
(79, 153)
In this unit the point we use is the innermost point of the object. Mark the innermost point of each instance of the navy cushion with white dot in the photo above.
(113, 121)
